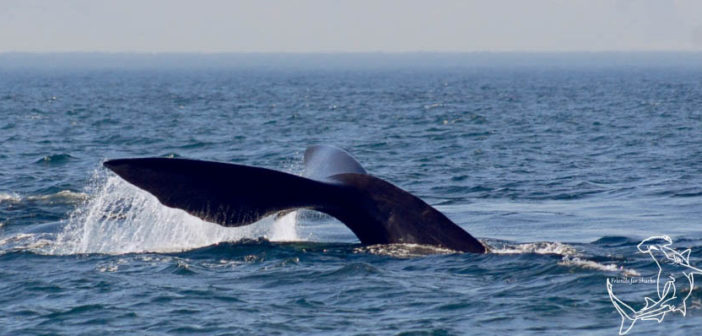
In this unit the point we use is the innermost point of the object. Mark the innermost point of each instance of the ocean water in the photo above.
(561, 170)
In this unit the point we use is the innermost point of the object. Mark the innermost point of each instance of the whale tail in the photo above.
(376, 211)
(625, 311)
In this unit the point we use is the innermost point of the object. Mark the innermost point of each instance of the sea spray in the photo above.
(120, 218)
(284, 228)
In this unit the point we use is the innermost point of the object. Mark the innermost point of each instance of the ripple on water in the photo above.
(352, 269)
(55, 159)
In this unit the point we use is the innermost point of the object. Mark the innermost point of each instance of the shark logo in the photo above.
(674, 273)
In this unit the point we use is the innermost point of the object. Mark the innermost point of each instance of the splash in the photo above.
(119, 218)
(285, 228)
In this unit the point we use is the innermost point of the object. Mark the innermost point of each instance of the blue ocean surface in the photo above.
(562, 170)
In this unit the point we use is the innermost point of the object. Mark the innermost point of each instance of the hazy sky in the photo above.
(349, 26)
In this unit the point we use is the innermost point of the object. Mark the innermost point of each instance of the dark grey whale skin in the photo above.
(333, 182)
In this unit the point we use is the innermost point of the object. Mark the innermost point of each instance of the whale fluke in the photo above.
(376, 211)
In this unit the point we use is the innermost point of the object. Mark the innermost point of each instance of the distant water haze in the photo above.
(331, 61)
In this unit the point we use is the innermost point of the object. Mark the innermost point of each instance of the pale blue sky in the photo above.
(349, 26)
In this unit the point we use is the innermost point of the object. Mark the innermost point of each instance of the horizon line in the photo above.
(429, 52)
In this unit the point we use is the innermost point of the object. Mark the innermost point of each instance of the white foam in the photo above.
(120, 218)
(536, 248)
(9, 197)
(61, 195)
(16, 238)
(26, 242)
(403, 250)
(570, 256)
(589, 264)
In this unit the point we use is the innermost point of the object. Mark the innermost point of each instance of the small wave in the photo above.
(55, 159)
(403, 250)
(180, 267)
(15, 238)
(26, 242)
(570, 256)
(196, 145)
(589, 264)
(63, 195)
(353, 269)
(108, 268)
(433, 106)
(10, 197)
(615, 241)
(535, 248)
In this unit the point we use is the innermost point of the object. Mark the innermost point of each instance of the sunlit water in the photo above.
(561, 172)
